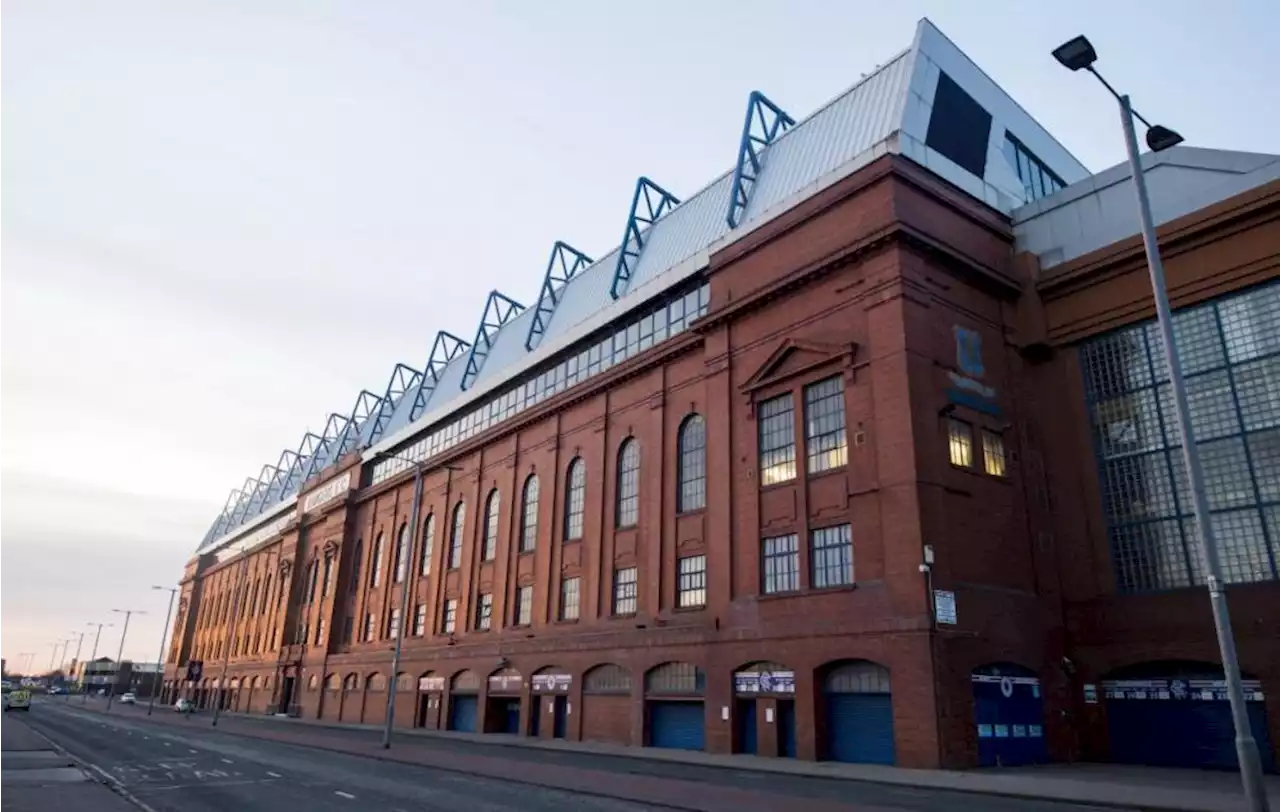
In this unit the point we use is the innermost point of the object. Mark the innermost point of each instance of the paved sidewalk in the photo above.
(1097, 784)
(37, 776)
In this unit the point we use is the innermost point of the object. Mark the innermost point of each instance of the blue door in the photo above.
(561, 722)
(1009, 712)
(748, 741)
(535, 715)
(787, 728)
(860, 728)
(676, 725)
(1180, 732)
(462, 713)
(511, 724)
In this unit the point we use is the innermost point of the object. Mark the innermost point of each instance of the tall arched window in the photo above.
(575, 499)
(375, 563)
(357, 561)
(492, 508)
(428, 544)
(402, 553)
(529, 514)
(455, 535)
(313, 572)
(628, 501)
(692, 454)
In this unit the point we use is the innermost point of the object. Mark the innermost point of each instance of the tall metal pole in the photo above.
(111, 689)
(409, 576)
(164, 633)
(1246, 747)
(231, 638)
(80, 645)
(84, 694)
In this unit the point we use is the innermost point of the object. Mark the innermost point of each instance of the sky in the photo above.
(221, 220)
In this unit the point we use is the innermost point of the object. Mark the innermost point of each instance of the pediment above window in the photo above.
(795, 357)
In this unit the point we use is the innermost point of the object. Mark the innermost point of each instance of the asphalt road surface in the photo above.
(200, 769)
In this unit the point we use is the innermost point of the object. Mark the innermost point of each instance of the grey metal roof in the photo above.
(853, 129)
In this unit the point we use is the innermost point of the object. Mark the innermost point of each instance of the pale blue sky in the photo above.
(223, 219)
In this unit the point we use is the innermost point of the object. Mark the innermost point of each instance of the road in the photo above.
(195, 768)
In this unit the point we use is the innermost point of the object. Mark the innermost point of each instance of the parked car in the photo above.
(128, 698)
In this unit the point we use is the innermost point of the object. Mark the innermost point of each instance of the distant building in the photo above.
(102, 673)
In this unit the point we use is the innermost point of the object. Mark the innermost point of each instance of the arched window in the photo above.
(529, 513)
(375, 563)
(402, 553)
(313, 572)
(628, 503)
(357, 557)
(327, 581)
(492, 506)
(692, 455)
(575, 499)
(428, 544)
(455, 535)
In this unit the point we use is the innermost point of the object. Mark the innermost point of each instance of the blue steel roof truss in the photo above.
(262, 492)
(444, 349)
(657, 202)
(241, 511)
(765, 121)
(498, 310)
(333, 429)
(367, 405)
(564, 264)
(403, 378)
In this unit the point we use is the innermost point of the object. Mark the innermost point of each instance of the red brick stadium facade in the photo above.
(724, 546)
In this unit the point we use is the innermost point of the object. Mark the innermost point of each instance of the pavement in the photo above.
(174, 762)
(37, 776)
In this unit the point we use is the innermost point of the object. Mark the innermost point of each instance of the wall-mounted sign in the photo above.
(944, 606)
(327, 492)
(764, 682)
(1206, 690)
(552, 683)
(433, 685)
(1090, 694)
(505, 683)
(966, 389)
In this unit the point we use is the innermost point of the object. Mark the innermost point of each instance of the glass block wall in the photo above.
(1230, 351)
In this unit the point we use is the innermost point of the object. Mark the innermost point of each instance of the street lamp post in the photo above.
(84, 693)
(79, 646)
(128, 613)
(231, 637)
(393, 688)
(1079, 54)
(164, 633)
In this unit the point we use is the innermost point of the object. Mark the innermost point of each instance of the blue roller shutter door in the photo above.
(676, 725)
(860, 728)
(463, 713)
(1181, 733)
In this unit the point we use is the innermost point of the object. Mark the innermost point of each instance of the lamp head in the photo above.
(1076, 54)
(1160, 138)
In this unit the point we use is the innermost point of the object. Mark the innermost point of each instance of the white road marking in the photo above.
(168, 744)
(193, 751)
(227, 761)
(273, 775)
(146, 738)
(346, 795)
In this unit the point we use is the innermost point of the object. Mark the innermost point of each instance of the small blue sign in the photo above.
(969, 352)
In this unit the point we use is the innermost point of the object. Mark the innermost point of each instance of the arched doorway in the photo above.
(375, 699)
(764, 710)
(430, 692)
(674, 706)
(859, 713)
(350, 703)
(606, 704)
(331, 700)
(1008, 709)
(502, 714)
(1176, 714)
(464, 699)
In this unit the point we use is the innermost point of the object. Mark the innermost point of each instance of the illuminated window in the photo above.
(692, 582)
(570, 598)
(960, 442)
(575, 499)
(777, 440)
(450, 615)
(484, 612)
(625, 591)
(824, 425)
(992, 453)
(529, 525)
(524, 606)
